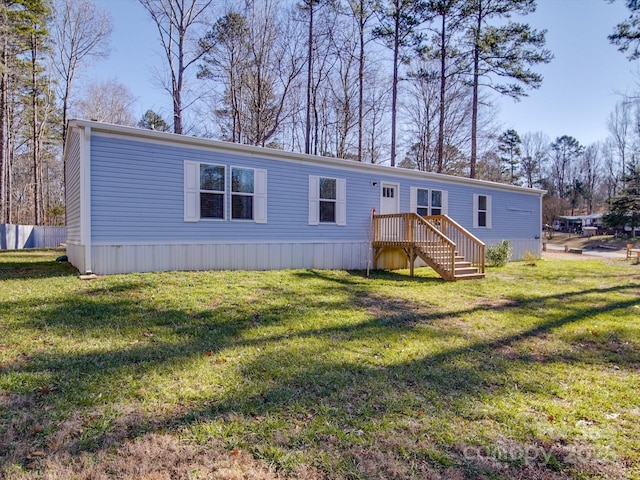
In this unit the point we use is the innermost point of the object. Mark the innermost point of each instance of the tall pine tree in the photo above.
(398, 29)
(504, 50)
(626, 35)
(511, 151)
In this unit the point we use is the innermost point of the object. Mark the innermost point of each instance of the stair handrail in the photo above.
(409, 234)
(464, 230)
(473, 253)
(442, 235)
(447, 261)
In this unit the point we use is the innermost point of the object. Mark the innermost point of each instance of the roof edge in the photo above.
(284, 154)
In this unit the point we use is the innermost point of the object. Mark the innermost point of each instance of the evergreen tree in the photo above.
(398, 29)
(506, 50)
(626, 35)
(152, 121)
(511, 151)
(624, 209)
(40, 98)
(27, 109)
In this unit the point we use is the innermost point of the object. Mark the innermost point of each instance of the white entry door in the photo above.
(389, 198)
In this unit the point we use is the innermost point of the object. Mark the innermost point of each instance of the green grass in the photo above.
(532, 372)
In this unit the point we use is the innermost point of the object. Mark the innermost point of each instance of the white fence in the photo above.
(14, 237)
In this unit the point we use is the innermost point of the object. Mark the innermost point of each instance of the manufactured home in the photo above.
(140, 200)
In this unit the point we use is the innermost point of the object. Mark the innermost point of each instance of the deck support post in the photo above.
(411, 255)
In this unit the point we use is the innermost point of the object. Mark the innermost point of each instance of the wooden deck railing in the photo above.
(467, 245)
(410, 230)
(437, 236)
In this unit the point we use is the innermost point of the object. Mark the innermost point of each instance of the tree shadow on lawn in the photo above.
(21, 270)
(337, 378)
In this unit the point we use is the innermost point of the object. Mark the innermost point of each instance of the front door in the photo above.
(389, 200)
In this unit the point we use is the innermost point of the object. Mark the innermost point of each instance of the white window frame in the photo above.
(259, 214)
(476, 211)
(443, 202)
(192, 193)
(340, 200)
(219, 192)
(241, 194)
(417, 202)
(413, 200)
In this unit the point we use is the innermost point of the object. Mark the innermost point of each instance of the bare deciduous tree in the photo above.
(81, 34)
(590, 173)
(177, 22)
(448, 19)
(535, 152)
(620, 128)
(362, 11)
(423, 110)
(565, 152)
(109, 102)
(256, 58)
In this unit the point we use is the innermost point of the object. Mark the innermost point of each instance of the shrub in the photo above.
(498, 255)
(530, 258)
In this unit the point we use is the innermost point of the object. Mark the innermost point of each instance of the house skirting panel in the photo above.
(75, 254)
(113, 259)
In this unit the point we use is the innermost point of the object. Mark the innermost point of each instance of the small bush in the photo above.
(530, 258)
(498, 255)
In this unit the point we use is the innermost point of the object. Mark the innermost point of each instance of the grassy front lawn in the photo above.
(533, 372)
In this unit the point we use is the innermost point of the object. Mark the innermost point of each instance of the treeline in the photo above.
(579, 179)
(43, 47)
(403, 82)
(374, 81)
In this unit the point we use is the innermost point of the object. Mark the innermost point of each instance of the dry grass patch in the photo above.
(150, 457)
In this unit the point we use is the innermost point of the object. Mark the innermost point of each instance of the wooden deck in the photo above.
(438, 240)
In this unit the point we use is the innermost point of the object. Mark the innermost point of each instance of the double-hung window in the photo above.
(328, 197)
(422, 207)
(208, 188)
(427, 202)
(242, 190)
(212, 188)
(327, 200)
(436, 202)
(482, 211)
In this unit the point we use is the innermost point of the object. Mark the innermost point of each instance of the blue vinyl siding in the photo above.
(72, 187)
(137, 196)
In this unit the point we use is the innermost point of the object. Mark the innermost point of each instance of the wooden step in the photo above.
(461, 264)
(469, 276)
(462, 269)
(465, 271)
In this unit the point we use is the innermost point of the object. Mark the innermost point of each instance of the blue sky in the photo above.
(581, 85)
(584, 80)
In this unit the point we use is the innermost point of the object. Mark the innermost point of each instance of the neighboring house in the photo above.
(575, 224)
(140, 200)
